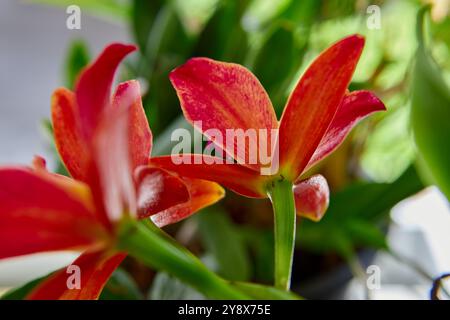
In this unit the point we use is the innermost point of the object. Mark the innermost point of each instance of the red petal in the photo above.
(71, 145)
(93, 89)
(38, 214)
(236, 177)
(354, 107)
(312, 197)
(75, 188)
(113, 181)
(202, 194)
(314, 102)
(128, 97)
(95, 270)
(158, 190)
(227, 96)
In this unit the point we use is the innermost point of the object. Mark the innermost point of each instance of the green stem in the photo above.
(148, 243)
(283, 204)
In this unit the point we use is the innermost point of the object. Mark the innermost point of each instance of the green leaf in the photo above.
(168, 46)
(431, 112)
(261, 292)
(77, 58)
(338, 8)
(320, 238)
(221, 239)
(166, 39)
(352, 219)
(121, 287)
(223, 37)
(144, 13)
(276, 68)
(152, 246)
(166, 287)
(365, 233)
(21, 292)
(370, 201)
(261, 245)
(380, 148)
(440, 31)
(301, 13)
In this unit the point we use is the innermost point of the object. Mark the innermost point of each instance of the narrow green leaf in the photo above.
(380, 148)
(144, 13)
(21, 292)
(166, 287)
(275, 68)
(121, 287)
(431, 112)
(352, 219)
(301, 13)
(223, 37)
(155, 248)
(323, 238)
(221, 239)
(364, 233)
(261, 292)
(261, 246)
(369, 200)
(168, 46)
(77, 58)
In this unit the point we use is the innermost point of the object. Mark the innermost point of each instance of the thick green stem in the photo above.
(152, 246)
(283, 204)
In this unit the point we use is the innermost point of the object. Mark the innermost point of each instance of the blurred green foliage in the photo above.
(219, 236)
(431, 113)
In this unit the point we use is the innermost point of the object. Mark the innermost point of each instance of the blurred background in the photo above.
(387, 221)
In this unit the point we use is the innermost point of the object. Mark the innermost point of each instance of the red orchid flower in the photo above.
(104, 143)
(319, 114)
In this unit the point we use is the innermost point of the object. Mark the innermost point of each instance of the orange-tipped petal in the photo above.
(128, 96)
(69, 141)
(93, 89)
(314, 102)
(202, 194)
(75, 188)
(158, 190)
(354, 107)
(37, 214)
(94, 268)
(233, 176)
(226, 96)
(312, 197)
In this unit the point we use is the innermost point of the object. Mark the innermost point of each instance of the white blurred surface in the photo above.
(15, 272)
(420, 236)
